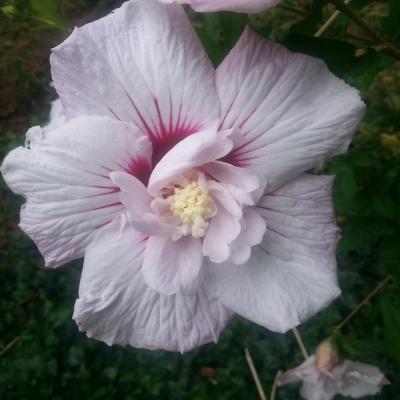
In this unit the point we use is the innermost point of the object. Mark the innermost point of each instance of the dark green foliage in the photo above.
(48, 358)
(219, 32)
(391, 22)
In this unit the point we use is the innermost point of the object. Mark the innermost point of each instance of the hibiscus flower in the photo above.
(184, 187)
(324, 376)
(242, 6)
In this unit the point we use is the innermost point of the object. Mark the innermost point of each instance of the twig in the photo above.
(379, 287)
(254, 374)
(300, 343)
(329, 21)
(384, 46)
(356, 37)
(275, 385)
(293, 9)
(9, 346)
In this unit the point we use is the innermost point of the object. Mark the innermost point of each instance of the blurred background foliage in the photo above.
(42, 354)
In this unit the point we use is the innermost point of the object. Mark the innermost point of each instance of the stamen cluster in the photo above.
(193, 206)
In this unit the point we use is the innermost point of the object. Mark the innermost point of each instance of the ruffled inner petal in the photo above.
(133, 195)
(224, 227)
(239, 181)
(253, 228)
(194, 151)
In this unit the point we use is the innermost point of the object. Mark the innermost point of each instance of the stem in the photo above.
(300, 343)
(293, 10)
(384, 46)
(378, 288)
(254, 374)
(329, 21)
(9, 346)
(275, 385)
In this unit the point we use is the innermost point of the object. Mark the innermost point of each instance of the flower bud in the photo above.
(326, 356)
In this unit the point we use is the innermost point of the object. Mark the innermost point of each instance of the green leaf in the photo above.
(341, 58)
(212, 26)
(384, 204)
(345, 189)
(389, 255)
(365, 68)
(232, 25)
(391, 325)
(215, 50)
(309, 25)
(8, 10)
(359, 234)
(219, 32)
(390, 23)
(47, 13)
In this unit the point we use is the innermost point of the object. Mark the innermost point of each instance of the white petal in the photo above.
(144, 64)
(359, 380)
(64, 175)
(292, 274)
(116, 306)
(315, 386)
(194, 151)
(252, 233)
(223, 229)
(323, 388)
(239, 181)
(243, 6)
(133, 195)
(225, 225)
(291, 111)
(172, 266)
(305, 371)
(57, 116)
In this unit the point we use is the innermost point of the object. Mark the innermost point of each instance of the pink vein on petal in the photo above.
(269, 209)
(235, 157)
(113, 113)
(103, 224)
(264, 250)
(106, 206)
(168, 138)
(112, 191)
(140, 167)
(276, 232)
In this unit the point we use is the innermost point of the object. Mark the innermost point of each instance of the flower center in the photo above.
(193, 206)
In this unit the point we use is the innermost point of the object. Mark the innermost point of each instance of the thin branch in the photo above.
(378, 288)
(293, 10)
(9, 346)
(300, 343)
(275, 385)
(254, 374)
(383, 45)
(329, 21)
(352, 36)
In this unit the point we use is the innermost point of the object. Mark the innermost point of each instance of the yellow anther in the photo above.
(193, 206)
